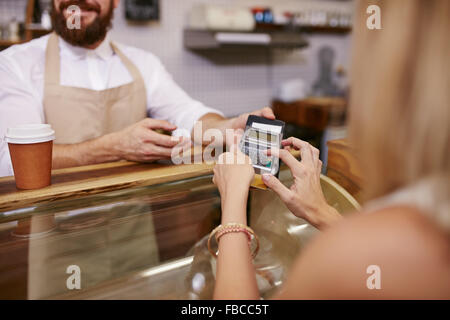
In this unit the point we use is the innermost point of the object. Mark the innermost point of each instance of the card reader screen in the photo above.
(262, 136)
(255, 143)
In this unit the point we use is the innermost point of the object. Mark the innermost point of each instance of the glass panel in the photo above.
(107, 236)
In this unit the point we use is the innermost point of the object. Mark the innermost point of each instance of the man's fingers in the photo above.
(273, 183)
(184, 145)
(268, 113)
(264, 112)
(163, 140)
(157, 151)
(158, 124)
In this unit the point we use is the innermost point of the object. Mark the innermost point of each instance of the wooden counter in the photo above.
(81, 181)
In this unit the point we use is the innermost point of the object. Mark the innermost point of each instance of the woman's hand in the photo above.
(233, 171)
(235, 277)
(233, 175)
(305, 197)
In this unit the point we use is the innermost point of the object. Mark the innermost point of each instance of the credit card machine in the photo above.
(260, 135)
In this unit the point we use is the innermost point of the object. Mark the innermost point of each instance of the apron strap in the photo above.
(134, 72)
(52, 61)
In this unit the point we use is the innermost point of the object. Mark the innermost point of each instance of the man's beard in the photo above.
(86, 35)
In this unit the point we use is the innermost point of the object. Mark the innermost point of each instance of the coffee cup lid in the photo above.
(29, 133)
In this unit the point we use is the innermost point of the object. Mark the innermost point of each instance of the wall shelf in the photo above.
(32, 30)
(325, 29)
(219, 40)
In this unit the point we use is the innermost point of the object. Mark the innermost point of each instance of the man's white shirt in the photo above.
(22, 85)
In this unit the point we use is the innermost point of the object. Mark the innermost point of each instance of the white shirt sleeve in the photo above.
(18, 105)
(167, 101)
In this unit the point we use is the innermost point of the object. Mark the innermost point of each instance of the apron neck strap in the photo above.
(53, 63)
(134, 72)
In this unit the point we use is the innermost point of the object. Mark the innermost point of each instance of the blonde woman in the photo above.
(400, 120)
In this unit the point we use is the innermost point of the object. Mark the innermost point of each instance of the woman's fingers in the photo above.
(315, 153)
(153, 151)
(295, 142)
(306, 150)
(319, 167)
(286, 157)
(276, 185)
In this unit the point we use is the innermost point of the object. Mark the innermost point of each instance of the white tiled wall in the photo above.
(233, 83)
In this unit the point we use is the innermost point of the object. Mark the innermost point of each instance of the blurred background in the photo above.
(234, 55)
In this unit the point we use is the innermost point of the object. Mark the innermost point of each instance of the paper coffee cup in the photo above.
(30, 148)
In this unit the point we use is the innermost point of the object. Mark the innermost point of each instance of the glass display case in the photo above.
(146, 242)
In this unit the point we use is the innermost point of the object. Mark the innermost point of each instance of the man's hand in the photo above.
(139, 142)
(215, 121)
(240, 121)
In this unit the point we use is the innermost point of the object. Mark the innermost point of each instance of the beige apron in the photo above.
(127, 242)
(79, 114)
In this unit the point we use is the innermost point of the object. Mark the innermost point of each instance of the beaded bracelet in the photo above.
(233, 228)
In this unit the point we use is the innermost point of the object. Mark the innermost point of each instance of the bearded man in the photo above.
(105, 101)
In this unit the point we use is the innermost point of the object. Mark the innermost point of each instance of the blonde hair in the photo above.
(400, 98)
